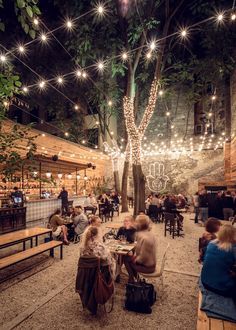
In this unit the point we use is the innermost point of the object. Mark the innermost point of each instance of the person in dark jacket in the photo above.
(127, 230)
(228, 205)
(64, 200)
(203, 205)
(218, 273)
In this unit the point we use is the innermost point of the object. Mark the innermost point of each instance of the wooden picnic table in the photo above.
(22, 236)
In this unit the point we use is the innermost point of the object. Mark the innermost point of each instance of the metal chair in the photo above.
(158, 274)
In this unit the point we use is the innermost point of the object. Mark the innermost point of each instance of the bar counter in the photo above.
(41, 209)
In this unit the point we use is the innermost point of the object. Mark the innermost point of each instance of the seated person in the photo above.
(218, 273)
(80, 220)
(90, 203)
(212, 227)
(56, 223)
(93, 246)
(127, 230)
(170, 207)
(144, 258)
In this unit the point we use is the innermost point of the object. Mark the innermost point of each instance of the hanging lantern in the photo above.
(69, 176)
(85, 177)
(48, 175)
(59, 175)
(78, 177)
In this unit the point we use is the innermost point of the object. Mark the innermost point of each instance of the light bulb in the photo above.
(42, 84)
(66, 134)
(233, 17)
(161, 92)
(3, 58)
(84, 74)
(100, 10)
(69, 176)
(110, 103)
(60, 80)
(78, 73)
(43, 37)
(59, 175)
(21, 49)
(124, 56)
(76, 107)
(25, 89)
(48, 175)
(100, 66)
(69, 24)
(213, 97)
(220, 17)
(167, 113)
(83, 141)
(36, 21)
(183, 33)
(85, 178)
(78, 176)
(149, 55)
(152, 45)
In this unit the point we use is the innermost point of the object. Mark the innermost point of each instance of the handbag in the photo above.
(104, 286)
(140, 296)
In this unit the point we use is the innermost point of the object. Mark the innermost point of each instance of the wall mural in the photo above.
(156, 179)
(181, 174)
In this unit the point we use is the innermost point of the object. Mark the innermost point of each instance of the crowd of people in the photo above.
(217, 246)
(221, 205)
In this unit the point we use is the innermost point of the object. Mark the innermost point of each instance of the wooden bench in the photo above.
(207, 323)
(21, 236)
(26, 254)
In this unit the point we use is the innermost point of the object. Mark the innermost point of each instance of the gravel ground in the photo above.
(175, 309)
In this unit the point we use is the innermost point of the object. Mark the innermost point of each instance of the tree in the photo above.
(11, 156)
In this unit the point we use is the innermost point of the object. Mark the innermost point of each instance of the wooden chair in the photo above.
(171, 224)
(158, 274)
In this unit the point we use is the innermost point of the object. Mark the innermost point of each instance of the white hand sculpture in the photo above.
(157, 179)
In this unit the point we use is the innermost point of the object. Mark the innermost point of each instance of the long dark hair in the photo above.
(56, 212)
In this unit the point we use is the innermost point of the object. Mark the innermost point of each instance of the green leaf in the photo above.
(29, 11)
(18, 83)
(32, 34)
(26, 28)
(2, 26)
(21, 3)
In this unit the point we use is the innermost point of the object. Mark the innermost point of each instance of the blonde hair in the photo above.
(142, 222)
(226, 237)
(89, 235)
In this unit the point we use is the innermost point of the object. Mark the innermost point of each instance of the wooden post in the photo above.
(22, 177)
(76, 190)
(40, 183)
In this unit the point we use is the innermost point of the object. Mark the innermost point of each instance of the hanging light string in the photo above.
(183, 33)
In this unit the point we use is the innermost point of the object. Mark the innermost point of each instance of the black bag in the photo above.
(140, 296)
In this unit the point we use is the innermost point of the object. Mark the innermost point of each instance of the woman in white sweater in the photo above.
(144, 258)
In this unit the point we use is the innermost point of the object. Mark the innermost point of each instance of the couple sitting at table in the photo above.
(142, 260)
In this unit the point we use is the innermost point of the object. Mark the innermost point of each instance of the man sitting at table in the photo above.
(56, 223)
(90, 203)
(80, 220)
(127, 230)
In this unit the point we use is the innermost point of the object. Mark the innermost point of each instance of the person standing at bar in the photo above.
(228, 205)
(17, 197)
(64, 200)
(203, 205)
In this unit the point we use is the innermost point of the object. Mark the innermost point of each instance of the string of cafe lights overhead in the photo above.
(100, 65)
(124, 56)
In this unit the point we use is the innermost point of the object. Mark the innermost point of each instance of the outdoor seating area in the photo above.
(118, 164)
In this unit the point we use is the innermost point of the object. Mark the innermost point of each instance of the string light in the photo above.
(149, 55)
(59, 175)
(100, 9)
(100, 66)
(213, 97)
(153, 45)
(25, 89)
(220, 17)
(97, 123)
(183, 33)
(83, 141)
(43, 37)
(3, 58)
(69, 25)
(76, 107)
(167, 113)
(233, 17)
(161, 92)
(66, 134)
(84, 75)
(42, 84)
(36, 21)
(21, 49)
(60, 80)
(78, 73)
(110, 103)
(124, 56)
